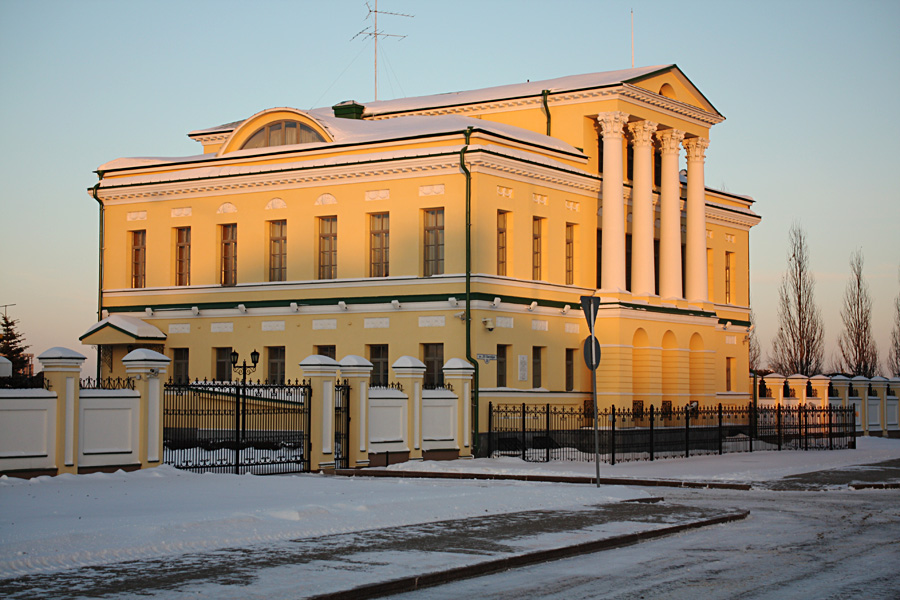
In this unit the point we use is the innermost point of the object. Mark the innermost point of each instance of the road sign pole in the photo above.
(590, 305)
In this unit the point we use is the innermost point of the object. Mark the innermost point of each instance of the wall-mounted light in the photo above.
(488, 324)
(195, 310)
(565, 309)
(395, 304)
(496, 302)
(453, 302)
(241, 308)
(461, 315)
(294, 307)
(533, 305)
(148, 311)
(342, 305)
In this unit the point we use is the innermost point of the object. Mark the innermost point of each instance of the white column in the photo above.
(642, 217)
(695, 247)
(670, 215)
(612, 257)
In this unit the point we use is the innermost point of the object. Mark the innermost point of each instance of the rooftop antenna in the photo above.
(632, 38)
(4, 307)
(374, 33)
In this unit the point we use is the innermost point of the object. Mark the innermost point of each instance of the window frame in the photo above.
(536, 243)
(433, 357)
(570, 253)
(275, 364)
(228, 256)
(433, 256)
(327, 247)
(182, 256)
(278, 250)
(379, 244)
(537, 366)
(379, 357)
(222, 363)
(139, 258)
(502, 241)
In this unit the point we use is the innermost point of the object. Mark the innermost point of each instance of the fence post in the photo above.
(778, 424)
(322, 374)
(547, 431)
(523, 431)
(830, 434)
(357, 371)
(652, 448)
(612, 437)
(490, 429)
(720, 428)
(62, 368)
(687, 430)
(752, 415)
(804, 424)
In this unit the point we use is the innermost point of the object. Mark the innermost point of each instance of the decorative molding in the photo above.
(573, 206)
(433, 321)
(324, 324)
(505, 192)
(179, 328)
(573, 328)
(642, 133)
(377, 323)
(431, 190)
(729, 237)
(504, 322)
(275, 204)
(378, 195)
(184, 211)
(136, 215)
(213, 138)
(324, 199)
(226, 208)
(272, 326)
(540, 325)
(221, 327)
(539, 199)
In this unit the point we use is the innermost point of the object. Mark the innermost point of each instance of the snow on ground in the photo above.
(743, 467)
(54, 523)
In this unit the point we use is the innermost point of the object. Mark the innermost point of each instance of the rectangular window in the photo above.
(229, 255)
(275, 364)
(501, 241)
(502, 352)
(536, 364)
(434, 242)
(183, 256)
(378, 356)
(570, 253)
(710, 274)
(379, 245)
(570, 369)
(327, 247)
(180, 365)
(729, 276)
(434, 365)
(329, 351)
(278, 250)
(729, 374)
(139, 258)
(223, 364)
(536, 248)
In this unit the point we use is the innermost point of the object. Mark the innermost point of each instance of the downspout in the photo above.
(544, 94)
(94, 191)
(468, 174)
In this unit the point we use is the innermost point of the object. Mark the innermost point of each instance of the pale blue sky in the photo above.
(810, 91)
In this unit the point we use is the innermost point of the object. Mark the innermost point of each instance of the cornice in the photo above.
(211, 138)
(626, 91)
(730, 216)
(486, 162)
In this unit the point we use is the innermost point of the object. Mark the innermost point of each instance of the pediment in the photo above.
(672, 83)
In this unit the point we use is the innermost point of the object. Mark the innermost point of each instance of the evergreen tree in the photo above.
(753, 346)
(12, 344)
(799, 343)
(893, 359)
(858, 354)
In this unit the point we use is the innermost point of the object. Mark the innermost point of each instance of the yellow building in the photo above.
(459, 225)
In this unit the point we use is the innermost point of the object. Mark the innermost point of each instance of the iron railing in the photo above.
(109, 383)
(543, 432)
(25, 382)
(224, 426)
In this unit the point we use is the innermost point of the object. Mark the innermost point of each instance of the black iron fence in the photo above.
(546, 432)
(25, 382)
(108, 383)
(223, 426)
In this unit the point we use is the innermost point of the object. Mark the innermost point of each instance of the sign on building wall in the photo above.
(523, 367)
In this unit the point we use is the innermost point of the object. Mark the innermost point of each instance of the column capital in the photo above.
(695, 148)
(670, 140)
(612, 123)
(642, 133)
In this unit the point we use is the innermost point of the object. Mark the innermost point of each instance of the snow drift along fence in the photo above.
(545, 432)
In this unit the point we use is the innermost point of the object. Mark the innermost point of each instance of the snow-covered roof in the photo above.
(132, 326)
(355, 131)
(516, 90)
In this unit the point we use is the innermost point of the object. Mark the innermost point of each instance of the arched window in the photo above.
(283, 133)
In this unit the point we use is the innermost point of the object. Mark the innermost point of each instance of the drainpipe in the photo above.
(468, 174)
(94, 191)
(544, 94)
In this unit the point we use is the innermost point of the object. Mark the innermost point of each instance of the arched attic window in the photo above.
(283, 133)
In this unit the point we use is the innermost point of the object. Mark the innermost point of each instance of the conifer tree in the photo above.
(893, 359)
(799, 343)
(12, 344)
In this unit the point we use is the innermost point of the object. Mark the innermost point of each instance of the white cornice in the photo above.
(212, 138)
(729, 217)
(514, 169)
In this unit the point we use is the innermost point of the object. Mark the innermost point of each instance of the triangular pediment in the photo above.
(672, 83)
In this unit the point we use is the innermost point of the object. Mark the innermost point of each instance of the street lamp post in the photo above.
(240, 413)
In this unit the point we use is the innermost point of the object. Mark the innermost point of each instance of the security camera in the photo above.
(488, 324)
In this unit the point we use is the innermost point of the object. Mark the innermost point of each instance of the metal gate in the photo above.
(342, 425)
(228, 427)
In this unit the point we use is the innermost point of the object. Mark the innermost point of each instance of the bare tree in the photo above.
(798, 346)
(893, 359)
(858, 354)
(753, 346)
